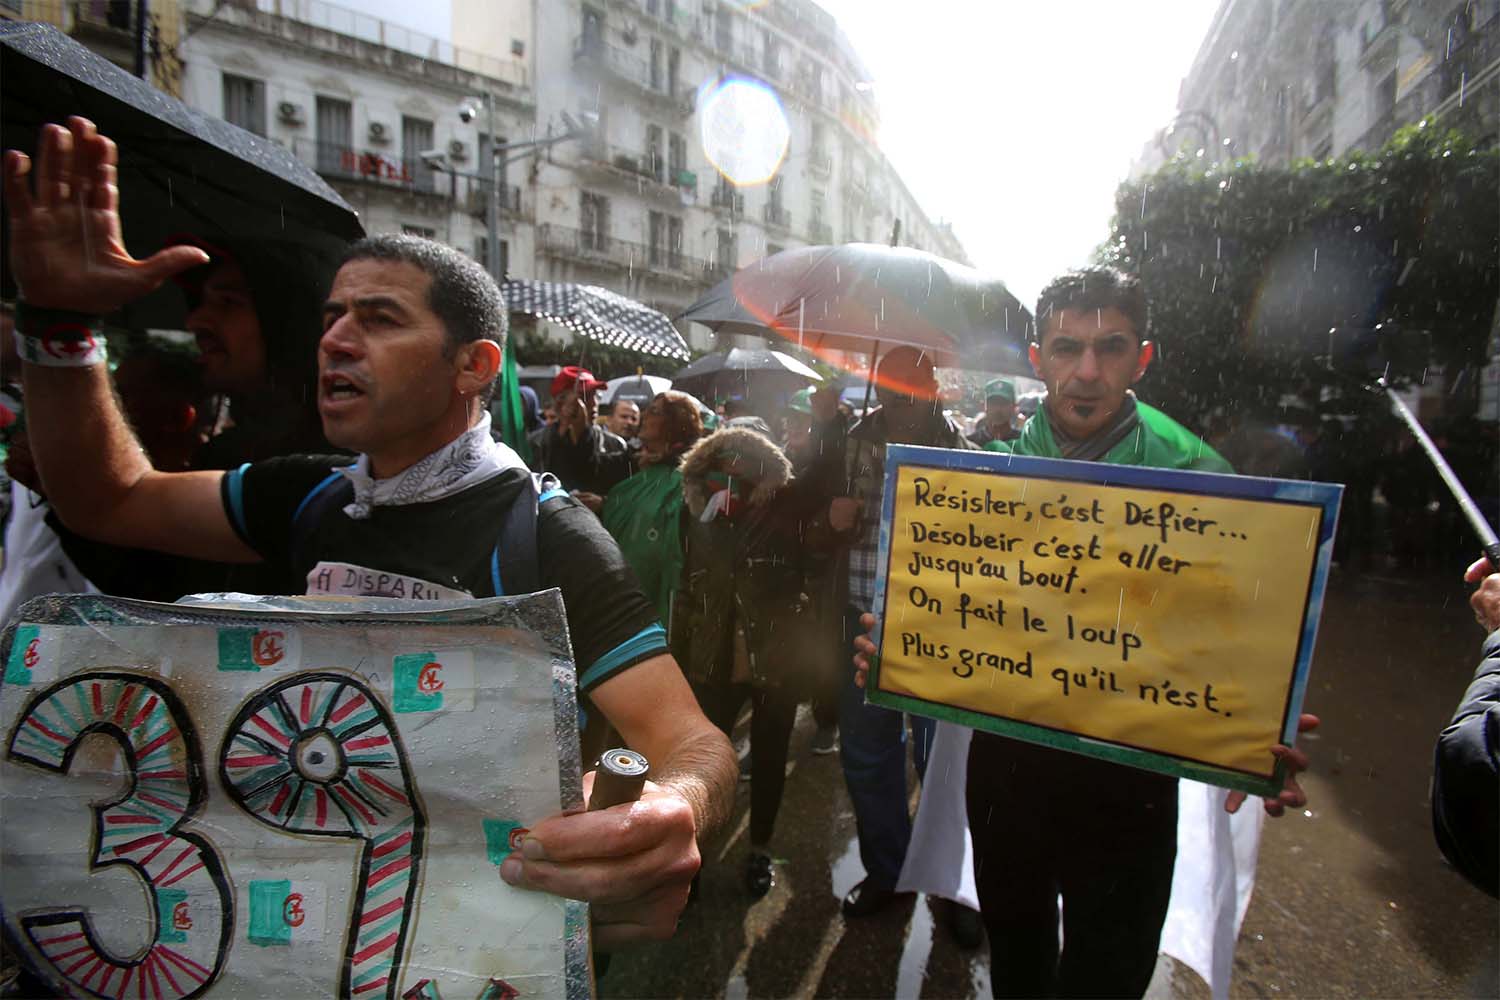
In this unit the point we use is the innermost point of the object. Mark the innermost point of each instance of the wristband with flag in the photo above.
(59, 338)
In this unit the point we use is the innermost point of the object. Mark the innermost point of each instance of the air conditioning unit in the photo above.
(458, 150)
(290, 113)
(379, 132)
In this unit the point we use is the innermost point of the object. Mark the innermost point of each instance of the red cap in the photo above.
(573, 377)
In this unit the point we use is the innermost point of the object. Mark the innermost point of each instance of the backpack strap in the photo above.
(514, 564)
(330, 494)
(519, 568)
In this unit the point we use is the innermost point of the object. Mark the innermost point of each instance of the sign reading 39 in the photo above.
(315, 753)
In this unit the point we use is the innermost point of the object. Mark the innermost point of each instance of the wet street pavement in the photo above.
(1352, 896)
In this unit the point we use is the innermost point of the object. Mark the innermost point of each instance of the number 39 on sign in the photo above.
(315, 754)
(236, 810)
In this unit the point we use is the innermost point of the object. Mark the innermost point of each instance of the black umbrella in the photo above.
(600, 315)
(862, 297)
(181, 171)
(743, 371)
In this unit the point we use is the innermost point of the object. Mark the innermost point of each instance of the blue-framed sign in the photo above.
(1160, 618)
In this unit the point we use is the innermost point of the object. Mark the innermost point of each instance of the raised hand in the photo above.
(66, 247)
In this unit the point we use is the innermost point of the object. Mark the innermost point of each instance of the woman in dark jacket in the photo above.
(743, 608)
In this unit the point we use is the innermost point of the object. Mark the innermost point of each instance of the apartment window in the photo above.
(771, 58)
(656, 238)
(482, 253)
(593, 221)
(674, 241)
(656, 64)
(593, 30)
(653, 7)
(772, 249)
(335, 136)
(1385, 95)
(423, 231)
(723, 30)
(1327, 69)
(245, 103)
(656, 165)
(416, 138)
(727, 255)
(676, 156)
(819, 206)
(674, 69)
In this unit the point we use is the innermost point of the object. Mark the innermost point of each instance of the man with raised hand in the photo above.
(411, 345)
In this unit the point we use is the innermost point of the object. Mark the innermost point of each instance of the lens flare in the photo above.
(744, 130)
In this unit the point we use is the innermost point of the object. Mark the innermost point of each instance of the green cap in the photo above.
(1002, 387)
(801, 401)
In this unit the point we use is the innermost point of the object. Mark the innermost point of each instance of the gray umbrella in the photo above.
(743, 372)
(600, 315)
(861, 296)
(180, 170)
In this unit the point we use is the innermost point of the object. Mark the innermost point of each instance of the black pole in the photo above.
(1487, 538)
(142, 17)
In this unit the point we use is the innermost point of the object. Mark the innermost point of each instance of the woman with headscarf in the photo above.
(644, 512)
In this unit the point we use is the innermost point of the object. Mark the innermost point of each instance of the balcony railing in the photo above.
(367, 28)
(728, 199)
(476, 199)
(342, 162)
(775, 215)
(651, 166)
(598, 248)
(594, 52)
(581, 244)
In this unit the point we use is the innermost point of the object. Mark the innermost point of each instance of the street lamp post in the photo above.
(500, 156)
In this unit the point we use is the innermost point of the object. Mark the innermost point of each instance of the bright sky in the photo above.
(1014, 119)
(1017, 120)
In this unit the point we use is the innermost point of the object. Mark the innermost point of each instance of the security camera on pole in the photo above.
(501, 154)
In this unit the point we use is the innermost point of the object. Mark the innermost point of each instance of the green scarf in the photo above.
(1158, 442)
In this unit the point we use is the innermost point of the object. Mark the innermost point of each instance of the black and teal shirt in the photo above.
(444, 549)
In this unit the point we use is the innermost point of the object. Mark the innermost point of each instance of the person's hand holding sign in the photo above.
(843, 514)
(1296, 761)
(633, 862)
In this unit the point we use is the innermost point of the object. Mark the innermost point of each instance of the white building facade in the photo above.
(634, 204)
(361, 100)
(1281, 80)
(637, 206)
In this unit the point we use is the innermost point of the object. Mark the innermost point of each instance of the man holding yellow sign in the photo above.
(1098, 611)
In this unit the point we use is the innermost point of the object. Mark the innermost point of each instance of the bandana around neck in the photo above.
(467, 460)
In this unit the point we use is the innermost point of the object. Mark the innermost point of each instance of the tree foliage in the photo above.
(1258, 277)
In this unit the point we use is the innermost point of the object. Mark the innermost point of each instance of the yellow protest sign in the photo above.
(1161, 618)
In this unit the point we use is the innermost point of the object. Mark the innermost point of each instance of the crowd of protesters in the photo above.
(706, 566)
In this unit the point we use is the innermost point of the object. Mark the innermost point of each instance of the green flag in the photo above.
(508, 406)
